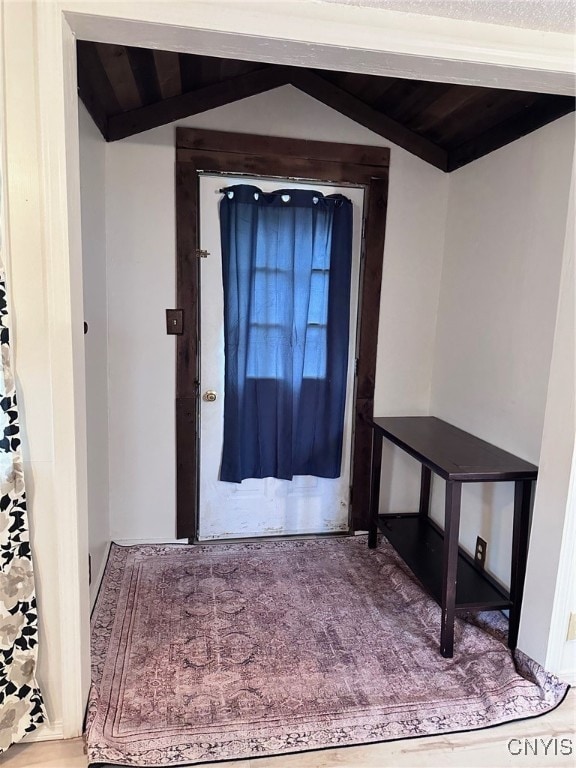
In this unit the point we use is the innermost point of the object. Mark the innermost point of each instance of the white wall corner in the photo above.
(99, 575)
(435, 332)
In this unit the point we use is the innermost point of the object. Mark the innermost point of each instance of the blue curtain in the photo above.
(286, 272)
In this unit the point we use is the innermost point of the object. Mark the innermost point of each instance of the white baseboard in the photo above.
(131, 542)
(45, 732)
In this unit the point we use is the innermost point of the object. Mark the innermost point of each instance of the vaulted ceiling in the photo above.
(130, 90)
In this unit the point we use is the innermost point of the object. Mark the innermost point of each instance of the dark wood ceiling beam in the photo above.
(194, 102)
(336, 98)
(548, 108)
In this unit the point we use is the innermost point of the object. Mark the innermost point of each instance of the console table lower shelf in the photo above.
(420, 544)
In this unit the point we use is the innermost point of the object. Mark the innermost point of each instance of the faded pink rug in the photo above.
(206, 653)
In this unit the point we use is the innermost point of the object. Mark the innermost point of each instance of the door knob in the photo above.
(209, 396)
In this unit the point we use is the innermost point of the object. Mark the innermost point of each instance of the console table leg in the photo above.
(520, 535)
(450, 566)
(425, 481)
(376, 468)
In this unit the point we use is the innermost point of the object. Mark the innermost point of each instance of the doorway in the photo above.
(363, 171)
(267, 506)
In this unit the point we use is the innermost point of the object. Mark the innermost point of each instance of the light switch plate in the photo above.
(174, 321)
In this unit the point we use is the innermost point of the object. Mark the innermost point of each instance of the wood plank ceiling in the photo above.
(130, 90)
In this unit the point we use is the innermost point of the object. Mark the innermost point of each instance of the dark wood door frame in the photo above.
(199, 152)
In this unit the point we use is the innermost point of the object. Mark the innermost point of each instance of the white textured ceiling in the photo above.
(543, 15)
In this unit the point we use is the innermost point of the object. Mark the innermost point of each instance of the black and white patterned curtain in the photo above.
(21, 707)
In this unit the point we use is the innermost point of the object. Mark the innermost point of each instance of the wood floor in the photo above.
(488, 748)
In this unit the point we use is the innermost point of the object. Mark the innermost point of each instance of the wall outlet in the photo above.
(480, 553)
(571, 627)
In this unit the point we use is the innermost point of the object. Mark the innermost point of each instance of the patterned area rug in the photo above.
(209, 653)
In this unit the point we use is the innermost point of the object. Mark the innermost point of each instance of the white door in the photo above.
(266, 507)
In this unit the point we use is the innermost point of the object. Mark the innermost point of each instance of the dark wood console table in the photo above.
(448, 573)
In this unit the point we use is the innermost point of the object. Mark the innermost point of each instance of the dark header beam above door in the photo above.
(274, 146)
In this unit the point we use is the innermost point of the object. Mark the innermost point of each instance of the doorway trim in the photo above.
(199, 151)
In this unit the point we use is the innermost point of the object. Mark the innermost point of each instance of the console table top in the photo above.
(450, 452)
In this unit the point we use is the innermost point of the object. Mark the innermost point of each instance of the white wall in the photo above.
(504, 244)
(551, 596)
(92, 179)
(140, 249)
